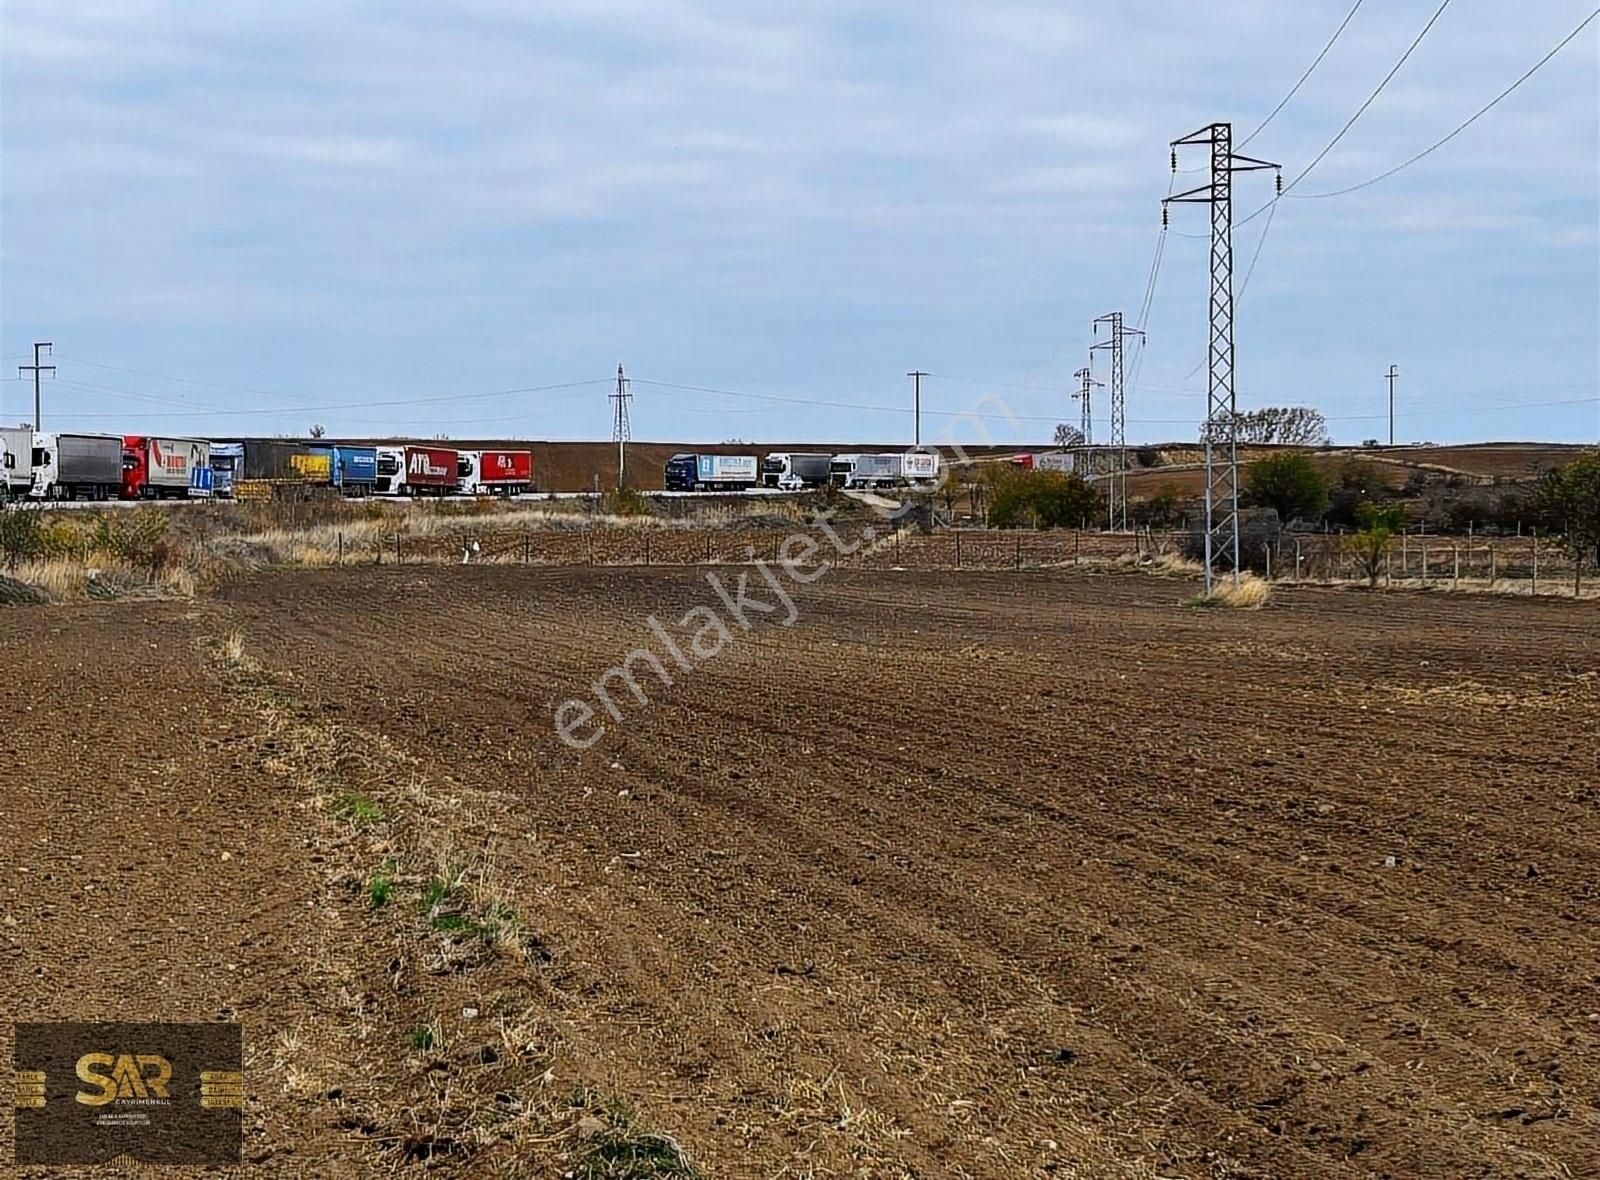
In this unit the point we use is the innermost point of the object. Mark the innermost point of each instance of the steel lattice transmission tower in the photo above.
(1220, 430)
(1117, 484)
(1085, 400)
(620, 427)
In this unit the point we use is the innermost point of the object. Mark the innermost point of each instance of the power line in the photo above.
(1295, 89)
(1351, 122)
(1371, 98)
(1428, 151)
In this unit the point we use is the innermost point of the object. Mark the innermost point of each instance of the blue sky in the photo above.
(302, 209)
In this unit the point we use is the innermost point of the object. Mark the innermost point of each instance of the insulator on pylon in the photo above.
(1174, 159)
(1163, 217)
(1280, 184)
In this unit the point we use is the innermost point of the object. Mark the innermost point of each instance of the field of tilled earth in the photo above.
(960, 874)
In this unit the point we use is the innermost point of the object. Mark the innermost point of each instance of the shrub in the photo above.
(1567, 501)
(1045, 499)
(21, 533)
(1375, 527)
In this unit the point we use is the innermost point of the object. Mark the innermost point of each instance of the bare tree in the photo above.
(1068, 435)
(1296, 426)
(318, 430)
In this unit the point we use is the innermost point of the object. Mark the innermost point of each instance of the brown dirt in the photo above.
(963, 874)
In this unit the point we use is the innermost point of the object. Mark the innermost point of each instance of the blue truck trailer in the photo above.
(353, 470)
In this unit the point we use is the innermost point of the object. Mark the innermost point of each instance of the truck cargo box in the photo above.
(431, 467)
(280, 460)
(920, 466)
(76, 465)
(726, 469)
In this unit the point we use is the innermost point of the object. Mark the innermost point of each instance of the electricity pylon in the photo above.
(1222, 420)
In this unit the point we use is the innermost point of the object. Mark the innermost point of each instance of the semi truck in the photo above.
(73, 466)
(16, 454)
(227, 465)
(155, 468)
(785, 468)
(717, 473)
(495, 473)
(417, 471)
(353, 470)
(1045, 461)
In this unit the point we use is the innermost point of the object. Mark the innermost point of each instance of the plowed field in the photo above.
(970, 874)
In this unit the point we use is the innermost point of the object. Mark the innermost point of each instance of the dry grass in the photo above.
(66, 579)
(1248, 593)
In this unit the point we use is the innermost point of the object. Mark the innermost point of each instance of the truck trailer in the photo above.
(272, 460)
(715, 473)
(73, 466)
(883, 470)
(155, 468)
(496, 473)
(353, 470)
(417, 471)
(918, 467)
(784, 468)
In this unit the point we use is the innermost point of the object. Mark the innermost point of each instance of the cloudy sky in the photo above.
(381, 215)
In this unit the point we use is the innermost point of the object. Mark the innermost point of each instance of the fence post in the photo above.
(1405, 554)
(1424, 563)
(341, 547)
(958, 550)
(1493, 554)
(1455, 580)
(1267, 550)
(708, 548)
(647, 548)
(1077, 545)
(526, 554)
(1297, 566)
(397, 549)
(1535, 589)
(896, 547)
(589, 537)
(1019, 552)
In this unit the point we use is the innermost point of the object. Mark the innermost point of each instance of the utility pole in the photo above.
(1221, 430)
(36, 368)
(916, 376)
(1085, 397)
(1117, 489)
(1392, 374)
(620, 426)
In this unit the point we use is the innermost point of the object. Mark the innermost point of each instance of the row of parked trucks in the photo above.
(794, 470)
(59, 465)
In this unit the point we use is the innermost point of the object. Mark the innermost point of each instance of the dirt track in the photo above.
(985, 875)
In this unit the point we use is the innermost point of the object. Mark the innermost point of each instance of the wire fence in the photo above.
(1507, 564)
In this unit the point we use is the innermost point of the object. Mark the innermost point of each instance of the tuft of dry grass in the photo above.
(1248, 593)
